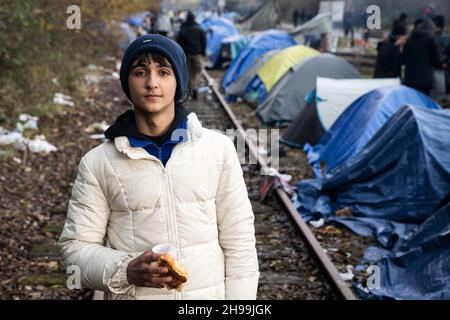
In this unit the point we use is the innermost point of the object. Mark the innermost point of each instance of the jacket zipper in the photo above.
(170, 205)
(174, 221)
(178, 295)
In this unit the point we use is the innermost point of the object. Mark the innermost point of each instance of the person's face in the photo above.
(152, 83)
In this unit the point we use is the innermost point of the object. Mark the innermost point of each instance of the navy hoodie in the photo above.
(159, 146)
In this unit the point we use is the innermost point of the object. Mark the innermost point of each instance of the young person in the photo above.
(161, 178)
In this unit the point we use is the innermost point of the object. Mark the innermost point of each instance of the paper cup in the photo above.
(165, 248)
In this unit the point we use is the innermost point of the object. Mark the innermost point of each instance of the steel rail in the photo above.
(330, 269)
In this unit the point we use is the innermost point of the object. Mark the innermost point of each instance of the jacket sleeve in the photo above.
(82, 239)
(236, 230)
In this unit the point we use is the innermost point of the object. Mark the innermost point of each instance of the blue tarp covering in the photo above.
(400, 175)
(256, 85)
(257, 89)
(217, 30)
(137, 19)
(264, 42)
(393, 187)
(236, 43)
(419, 265)
(359, 123)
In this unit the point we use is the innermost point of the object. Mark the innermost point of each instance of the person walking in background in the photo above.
(295, 17)
(348, 21)
(302, 16)
(421, 57)
(401, 24)
(388, 64)
(149, 22)
(192, 39)
(443, 41)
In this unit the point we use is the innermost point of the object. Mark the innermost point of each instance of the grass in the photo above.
(6, 152)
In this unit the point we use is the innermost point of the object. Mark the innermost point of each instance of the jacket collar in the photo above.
(194, 133)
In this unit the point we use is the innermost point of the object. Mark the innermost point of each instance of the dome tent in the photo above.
(259, 45)
(332, 98)
(287, 98)
(361, 121)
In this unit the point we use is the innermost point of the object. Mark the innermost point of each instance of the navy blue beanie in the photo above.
(158, 44)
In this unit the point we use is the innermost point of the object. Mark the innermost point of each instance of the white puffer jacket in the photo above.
(199, 202)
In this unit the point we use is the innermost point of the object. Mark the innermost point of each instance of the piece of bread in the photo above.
(177, 271)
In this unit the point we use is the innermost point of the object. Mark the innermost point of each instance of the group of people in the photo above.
(424, 52)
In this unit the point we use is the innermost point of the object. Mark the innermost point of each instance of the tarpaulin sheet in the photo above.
(258, 46)
(360, 122)
(217, 30)
(393, 187)
(400, 175)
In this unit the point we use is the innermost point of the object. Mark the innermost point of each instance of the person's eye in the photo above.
(140, 73)
(164, 73)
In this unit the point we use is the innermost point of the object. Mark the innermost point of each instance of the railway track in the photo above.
(293, 265)
(365, 63)
(294, 261)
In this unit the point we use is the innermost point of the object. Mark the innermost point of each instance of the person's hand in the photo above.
(175, 280)
(175, 283)
(144, 271)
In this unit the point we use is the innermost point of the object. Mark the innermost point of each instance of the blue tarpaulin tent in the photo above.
(417, 267)
(359, 123)
(258, 46)
(235, 44)
(400, 175)
(217, 30)
(393, 187)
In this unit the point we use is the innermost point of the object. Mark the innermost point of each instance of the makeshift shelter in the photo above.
(239, 87)
(232, 46)
(217, 29)
(317, 26)
(400, 175)
(276, 67)
(267, 16)
(397, 190)
(287, 98)
(417, 266)
(332, 97)
(259, 45)
(360, 122)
